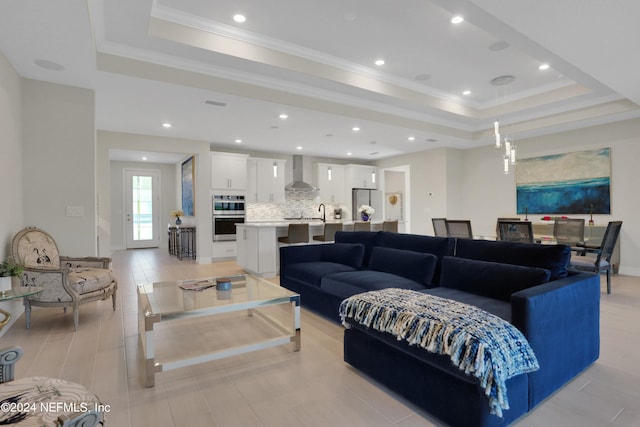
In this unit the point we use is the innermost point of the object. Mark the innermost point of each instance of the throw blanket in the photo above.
(478, 343)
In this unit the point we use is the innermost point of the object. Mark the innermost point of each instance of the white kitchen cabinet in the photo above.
(362, 176)
(330, 179)
(257, 248)
(223, 251)
(229, 171)
(265, 180)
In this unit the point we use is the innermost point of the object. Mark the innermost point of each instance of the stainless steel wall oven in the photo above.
(227, 212)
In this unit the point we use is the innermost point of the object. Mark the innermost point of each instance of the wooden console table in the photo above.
(182, 241)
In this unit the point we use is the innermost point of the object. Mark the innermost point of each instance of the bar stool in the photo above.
(329, 232)
(297, 233)
(391, 226)
(362, 226)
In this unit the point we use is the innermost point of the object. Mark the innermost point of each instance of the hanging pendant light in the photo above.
(509, 156)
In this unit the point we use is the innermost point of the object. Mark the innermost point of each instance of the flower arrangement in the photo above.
(177, 213)
(366, 212)
(9, 268)
(553, 218)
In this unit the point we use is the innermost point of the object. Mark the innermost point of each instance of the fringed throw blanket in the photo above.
(478, 343)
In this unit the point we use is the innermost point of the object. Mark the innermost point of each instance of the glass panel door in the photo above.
(142, 217)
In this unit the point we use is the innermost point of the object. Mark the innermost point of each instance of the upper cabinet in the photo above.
(361, 176)
(265, 180)
(228, 171)
(330, 179)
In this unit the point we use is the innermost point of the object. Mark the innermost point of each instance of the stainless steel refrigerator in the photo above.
(362, 196)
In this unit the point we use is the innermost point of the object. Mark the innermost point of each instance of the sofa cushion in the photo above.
(490, 279)
(416, 266)
(312, 272)
(349, 283)
(496, 307)
(368, 238)
(439, 246)
(351, 254)
(554, 258)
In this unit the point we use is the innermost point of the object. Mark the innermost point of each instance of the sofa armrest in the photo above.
(561, 321)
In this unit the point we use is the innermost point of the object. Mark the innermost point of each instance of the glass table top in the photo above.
(21, 292)
(166, 298)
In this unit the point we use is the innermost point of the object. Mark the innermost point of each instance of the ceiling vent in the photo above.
(216, 103)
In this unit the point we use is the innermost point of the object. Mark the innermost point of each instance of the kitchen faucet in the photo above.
(324, 215)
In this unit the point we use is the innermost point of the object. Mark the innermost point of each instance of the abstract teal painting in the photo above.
(188, 183)
(569, 183)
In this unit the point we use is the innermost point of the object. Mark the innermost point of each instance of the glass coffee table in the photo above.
(168, 301)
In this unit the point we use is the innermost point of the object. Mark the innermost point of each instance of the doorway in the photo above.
(142, 202)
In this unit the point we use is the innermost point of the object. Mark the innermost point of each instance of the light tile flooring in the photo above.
(278, 387)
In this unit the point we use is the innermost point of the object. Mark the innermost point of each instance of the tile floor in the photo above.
(278, 387)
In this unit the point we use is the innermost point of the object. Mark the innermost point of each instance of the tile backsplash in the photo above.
(291, 208)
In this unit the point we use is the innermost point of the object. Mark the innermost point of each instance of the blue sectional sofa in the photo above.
(528, 285)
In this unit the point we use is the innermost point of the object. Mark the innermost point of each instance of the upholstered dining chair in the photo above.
(460, 228)
(568, 231)
(439, 227)
(329, 234)
(515, 231)
(501, 219)
(67, 281)
(602, 261)
(46, 401)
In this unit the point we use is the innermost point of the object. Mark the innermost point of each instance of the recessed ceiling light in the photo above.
(239, 18)
(238, 141)
(543, 67)
(466, 92)
(457, 19)
(379, 62)
(166, 125)
(412, 138)
(349, 153)
(283, 116)
(355, 129)
(298, 148)
(144, 158)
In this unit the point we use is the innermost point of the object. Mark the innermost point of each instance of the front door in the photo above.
(142, 221)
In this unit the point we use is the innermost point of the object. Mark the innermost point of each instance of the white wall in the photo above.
(59, 148)
(123, 141)
(10, 166)
(489, 193)
(168, 197)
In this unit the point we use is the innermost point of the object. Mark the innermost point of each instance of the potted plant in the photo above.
(9, 268)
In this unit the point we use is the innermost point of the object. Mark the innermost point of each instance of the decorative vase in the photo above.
(365, 217)
(178, 220)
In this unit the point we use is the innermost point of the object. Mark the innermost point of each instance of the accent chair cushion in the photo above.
(490, 279)
(86, 280)
(37, 249)
(416, 266)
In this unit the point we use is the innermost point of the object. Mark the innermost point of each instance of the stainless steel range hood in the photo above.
(299, 187)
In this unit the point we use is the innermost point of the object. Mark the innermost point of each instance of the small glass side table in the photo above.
(15, 293)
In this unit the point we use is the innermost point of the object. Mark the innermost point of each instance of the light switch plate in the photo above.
(75, 211)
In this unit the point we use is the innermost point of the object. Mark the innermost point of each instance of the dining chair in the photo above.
(568, 231)
(498, 224)
(391, 226)
(515, 231)
(439, 227)
(362, 226)
(459, 228)
(296, 233)
(329, 234)
(602, 260)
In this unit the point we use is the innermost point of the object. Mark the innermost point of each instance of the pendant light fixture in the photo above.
(509, 156)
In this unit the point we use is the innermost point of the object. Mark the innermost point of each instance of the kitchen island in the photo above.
(257, 243)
